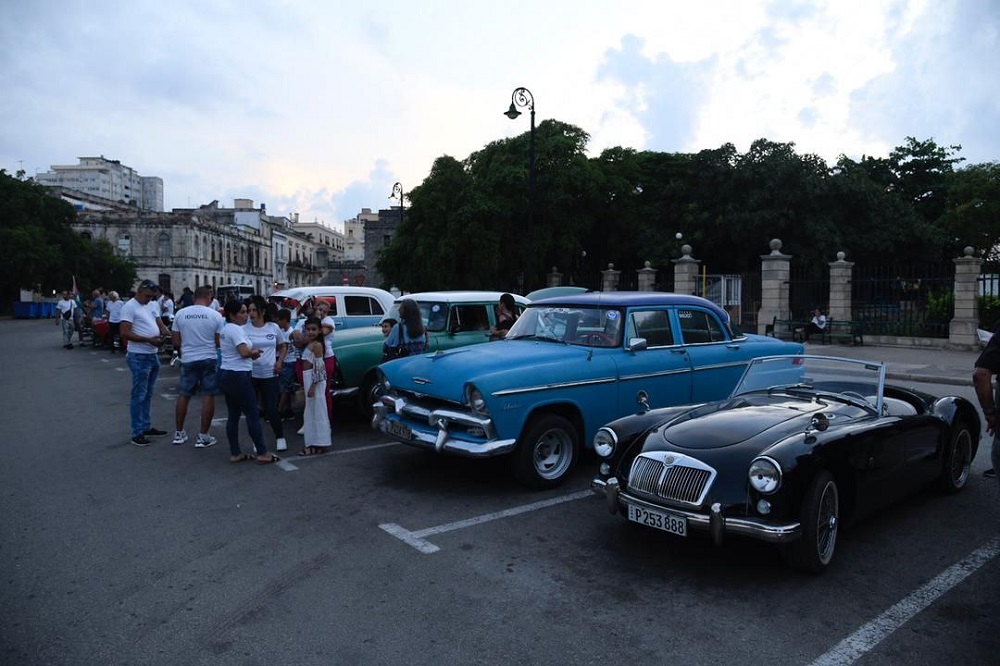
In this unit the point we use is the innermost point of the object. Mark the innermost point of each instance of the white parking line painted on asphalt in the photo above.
(121, 369)
(867, 637)
(417, 540)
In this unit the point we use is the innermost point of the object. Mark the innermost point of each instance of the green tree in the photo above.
(972, 214)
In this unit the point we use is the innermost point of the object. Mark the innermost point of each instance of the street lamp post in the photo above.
(522, 97)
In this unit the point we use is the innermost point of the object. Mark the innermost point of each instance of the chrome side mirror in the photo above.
(642, 399)
(820, 422)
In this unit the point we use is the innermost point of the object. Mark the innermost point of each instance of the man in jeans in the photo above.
(196, 335)
(988, 393)
(139, 326)
(64, 318)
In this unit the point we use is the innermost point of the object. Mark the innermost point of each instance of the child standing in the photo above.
(316, 420)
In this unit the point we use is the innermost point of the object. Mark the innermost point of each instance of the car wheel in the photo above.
(546, 451)
(959, 459)
(370, 392)
(820, 518)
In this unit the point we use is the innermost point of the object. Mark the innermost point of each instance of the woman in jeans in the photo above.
(265, 335)
(238, 356)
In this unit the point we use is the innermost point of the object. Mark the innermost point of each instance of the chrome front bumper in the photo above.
(437, 436)
(714, 521)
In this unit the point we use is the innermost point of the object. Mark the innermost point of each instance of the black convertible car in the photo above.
(802, 443)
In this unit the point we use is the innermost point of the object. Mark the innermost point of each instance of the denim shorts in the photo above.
(286, 379)
(199, 374)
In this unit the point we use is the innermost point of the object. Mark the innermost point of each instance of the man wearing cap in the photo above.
(142, 330)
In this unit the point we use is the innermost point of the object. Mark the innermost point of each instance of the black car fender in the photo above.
(952, 409)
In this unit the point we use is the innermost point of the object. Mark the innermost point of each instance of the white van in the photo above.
(240, 292)
(350, 307)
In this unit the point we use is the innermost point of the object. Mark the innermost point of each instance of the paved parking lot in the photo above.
(382, 554)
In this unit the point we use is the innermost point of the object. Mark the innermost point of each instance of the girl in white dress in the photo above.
(315, 421)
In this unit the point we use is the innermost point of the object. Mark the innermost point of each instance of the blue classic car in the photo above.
(569, 365)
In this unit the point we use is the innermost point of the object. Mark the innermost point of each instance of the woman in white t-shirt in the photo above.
(238, 356)
(269, 338)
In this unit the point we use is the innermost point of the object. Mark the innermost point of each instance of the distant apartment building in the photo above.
(107, 179)
(354, 234)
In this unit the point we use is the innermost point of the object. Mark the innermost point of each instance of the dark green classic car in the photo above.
(453, 319)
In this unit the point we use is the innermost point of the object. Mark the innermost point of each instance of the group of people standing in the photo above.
(246, 350)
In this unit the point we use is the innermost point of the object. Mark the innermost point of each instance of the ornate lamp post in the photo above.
(522, 97)
(397, 193)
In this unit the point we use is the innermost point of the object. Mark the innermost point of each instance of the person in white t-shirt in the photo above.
(195, 334)
(267, 336)
(141, 328)
(65, 307)
(238, 356)
(115, 305)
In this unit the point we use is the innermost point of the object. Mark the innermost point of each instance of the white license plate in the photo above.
(661, 520)
(400, 430)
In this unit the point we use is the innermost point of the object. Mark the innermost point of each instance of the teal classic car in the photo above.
(453, 319)
(569, 365)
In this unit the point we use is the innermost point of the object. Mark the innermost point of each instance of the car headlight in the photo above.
(474, 398)
(605, 441)
(765, 476)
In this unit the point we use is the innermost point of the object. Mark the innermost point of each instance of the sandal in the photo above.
(240, 458)
(267, 461)
(313, 451)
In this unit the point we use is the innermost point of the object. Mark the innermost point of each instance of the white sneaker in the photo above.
(204, 441)
(281, 444)
(180, 437)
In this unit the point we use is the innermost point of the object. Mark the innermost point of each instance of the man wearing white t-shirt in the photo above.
(141, 328)
(64, 317)
(196, 334)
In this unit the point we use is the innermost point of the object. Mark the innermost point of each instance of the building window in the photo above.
(125, 244)
(163, 246)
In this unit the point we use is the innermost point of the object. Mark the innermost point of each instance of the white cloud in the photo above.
(317, 107)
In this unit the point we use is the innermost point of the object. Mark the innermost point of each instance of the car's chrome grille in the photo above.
(671, 477)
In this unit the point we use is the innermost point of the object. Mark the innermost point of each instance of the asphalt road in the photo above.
(168, 555)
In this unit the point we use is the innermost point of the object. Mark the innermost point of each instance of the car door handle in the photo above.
(732, 346)
(678, 350)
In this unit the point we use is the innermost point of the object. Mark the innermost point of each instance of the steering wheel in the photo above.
(597, 339)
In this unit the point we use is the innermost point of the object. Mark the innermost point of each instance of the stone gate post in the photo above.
(963, 327)
(553, 278)
(610, 279)
(774, 274)
(840, 288)
(646, 278)
(685, 272)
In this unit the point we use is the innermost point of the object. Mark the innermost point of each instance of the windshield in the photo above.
(577, 325)
(815, 374)
(434, 313)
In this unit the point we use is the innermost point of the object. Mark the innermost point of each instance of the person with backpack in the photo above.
(408, 337)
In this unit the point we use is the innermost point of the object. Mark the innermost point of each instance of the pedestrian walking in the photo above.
(139, 327)
(234, 380)
(115, 305)
(987, 384)
(195, 333)
(64, 318)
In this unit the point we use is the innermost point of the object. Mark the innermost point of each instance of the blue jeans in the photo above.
(268, 388)
(145, 369)
(241, 399)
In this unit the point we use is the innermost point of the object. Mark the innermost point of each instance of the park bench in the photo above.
(836, 329)
(786, 329)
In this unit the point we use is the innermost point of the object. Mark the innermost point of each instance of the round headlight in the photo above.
(475, 400)
(605, 441)
(765, 475)
(383, 380)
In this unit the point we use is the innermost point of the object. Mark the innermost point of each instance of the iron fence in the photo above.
(989, 295)
(915, 300)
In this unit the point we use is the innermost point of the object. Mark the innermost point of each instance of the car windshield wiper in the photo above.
(533, 336)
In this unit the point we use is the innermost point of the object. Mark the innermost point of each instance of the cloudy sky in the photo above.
(318, 107)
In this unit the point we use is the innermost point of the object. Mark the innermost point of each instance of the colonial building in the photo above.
(378, 233)
(354, 234)
(207, 245)
(108, 179)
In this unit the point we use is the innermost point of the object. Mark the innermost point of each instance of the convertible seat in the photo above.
(897, 407)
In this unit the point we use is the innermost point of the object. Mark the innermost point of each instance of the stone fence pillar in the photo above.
(685, 272)
(840, 288)
(554, 278)
(610, 279)
(963, 328)
(646, 279)
(774, 274)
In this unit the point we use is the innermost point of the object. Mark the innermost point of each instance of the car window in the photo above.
(362, 306)
(699, 326)
(654, 326)
(470, 318)
(435, 316)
